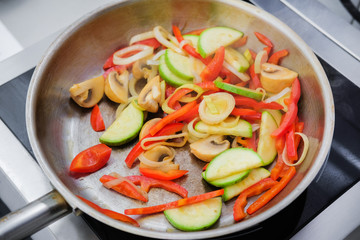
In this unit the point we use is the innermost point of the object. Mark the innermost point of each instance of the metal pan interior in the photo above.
(59, 129)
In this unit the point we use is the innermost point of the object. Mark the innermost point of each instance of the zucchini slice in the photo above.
(266, 146)
(213, 38)
(254, 176)
(232, 161)
(197, 216)
(125, 128)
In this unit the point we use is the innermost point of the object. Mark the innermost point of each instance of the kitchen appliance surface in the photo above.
(310, 103)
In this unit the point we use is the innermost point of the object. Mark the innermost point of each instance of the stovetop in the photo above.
(339, 173)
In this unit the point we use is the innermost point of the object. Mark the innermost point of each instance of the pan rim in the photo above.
(76, 203)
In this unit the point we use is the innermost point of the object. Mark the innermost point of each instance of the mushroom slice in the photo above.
(117, 86)
(275, 78)
(150, 95)
(159, 157)
(207, 148)
(141, 68)
(88, 93)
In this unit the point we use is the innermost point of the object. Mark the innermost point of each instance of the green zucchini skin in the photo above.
(125, 128)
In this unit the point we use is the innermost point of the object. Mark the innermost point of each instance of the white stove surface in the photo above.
(21, 179)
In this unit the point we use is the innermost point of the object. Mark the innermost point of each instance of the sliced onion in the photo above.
(144, 52)
(141, 36)
(261, 58)
(165, 107)
(263, 93)
(152, 62)
(183, 42)
(255, 127)
(243, 76)
(193, 132)
(225, 111)
(162, 36)
(158, 54)
(183, 135)
(119, 179)
(230, 121)
(146, 127)
(195, 88)
(303, 154)
(278, 95)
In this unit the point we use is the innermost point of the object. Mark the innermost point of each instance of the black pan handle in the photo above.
(34, 216)
(354, 12)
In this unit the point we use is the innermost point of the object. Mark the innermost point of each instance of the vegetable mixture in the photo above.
(236, 108)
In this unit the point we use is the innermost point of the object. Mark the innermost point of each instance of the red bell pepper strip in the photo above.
(137, 149)
(254, 77)
(146, 183)
(91, 159)
(241, 42)
(158, 174)
(272, 192)
(252, 103)
(208, 86)
(252, 118)
(151, 42)
(290, 144)
(188, 48)
(263, 39)
(299, 127)
(212, 70)
(171, 117)
(117, 68)
(276, 170)
(109, 63)
(293, 141)
(253, 190)
(190, 115)
(243, 111)
(268, 50)
(280, 144)
(96, 120)
(169, 90)
(196, 32)
(291, 115)
(206, 165)
(110, 213)
(275, 57)
(252, 143)
(175, 204)
(177, 96)
(253, 54)
(125, 189)
(284, 170)
(248, 142)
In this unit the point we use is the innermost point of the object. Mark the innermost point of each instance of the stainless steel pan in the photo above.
(59, 129)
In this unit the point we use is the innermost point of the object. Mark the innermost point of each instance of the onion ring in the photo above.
(144, 52)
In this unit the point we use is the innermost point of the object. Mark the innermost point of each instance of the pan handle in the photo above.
(34, 216)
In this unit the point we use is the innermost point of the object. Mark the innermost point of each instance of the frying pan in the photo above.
(58, 129)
